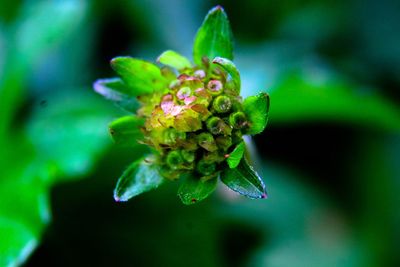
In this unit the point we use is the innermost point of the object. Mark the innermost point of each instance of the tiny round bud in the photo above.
(188, 156)
(171, 135)
(205, 138)
(174, 159)
(214, 87)
(222, 104)
(237, 120)
(214, 125)
(199, 74)
(184, 92)
(205, 167)
(206, 141)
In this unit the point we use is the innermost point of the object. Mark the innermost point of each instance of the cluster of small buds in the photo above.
(192, 118)
(195, 124)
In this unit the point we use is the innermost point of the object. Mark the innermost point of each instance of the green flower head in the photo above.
(191, 116)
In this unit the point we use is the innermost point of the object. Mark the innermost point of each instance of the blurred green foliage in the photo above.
(329, 155)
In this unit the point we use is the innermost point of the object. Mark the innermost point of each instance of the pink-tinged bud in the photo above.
(183, 77)
(201, 74)
(176, 110)
(167, 106)
(214, 87)
(189, 100)
(184, 92)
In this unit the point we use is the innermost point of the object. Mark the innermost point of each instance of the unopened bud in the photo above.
(188, 156)
(171, 135)
(222, 104)
(217, 126)
(237, 120)
(199, 74)
(174, 159)
(206, 140)
(205, 167)
(183, 93)
(213, 125)
(214, 87)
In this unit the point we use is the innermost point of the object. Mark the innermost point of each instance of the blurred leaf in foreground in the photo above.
(39, 28)
(299, 97)
(67, 133)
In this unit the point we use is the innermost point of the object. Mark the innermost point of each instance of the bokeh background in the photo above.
(330, 156)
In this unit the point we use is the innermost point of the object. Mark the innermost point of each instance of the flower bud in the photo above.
(217, 126)
(171, 135)
(222, 104)
(183, 93)
(237, 120)
(213, 125)
(174, 159)
(201, 74)
(206, 141)
(188, 156)
(214, 87)
(205, 167)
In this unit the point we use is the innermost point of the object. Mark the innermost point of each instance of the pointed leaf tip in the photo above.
(141, 176)
(217, 8)
(214, 38)
(244, 180)
(115, 90)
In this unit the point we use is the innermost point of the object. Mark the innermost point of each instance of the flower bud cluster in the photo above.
(195, 123)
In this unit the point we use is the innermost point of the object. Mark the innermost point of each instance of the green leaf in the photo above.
(141, 176)
(126, 130)
(229, 67)
(214, 38)
(36, 35)
(194, 189)
(298, 97)
(114, 89)
(244, 180)
(31, 38)
(236, 155)
(141, 76)
(256, 109)
(174, 60)
(17, 242)
(24, 212)
(68, 133)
